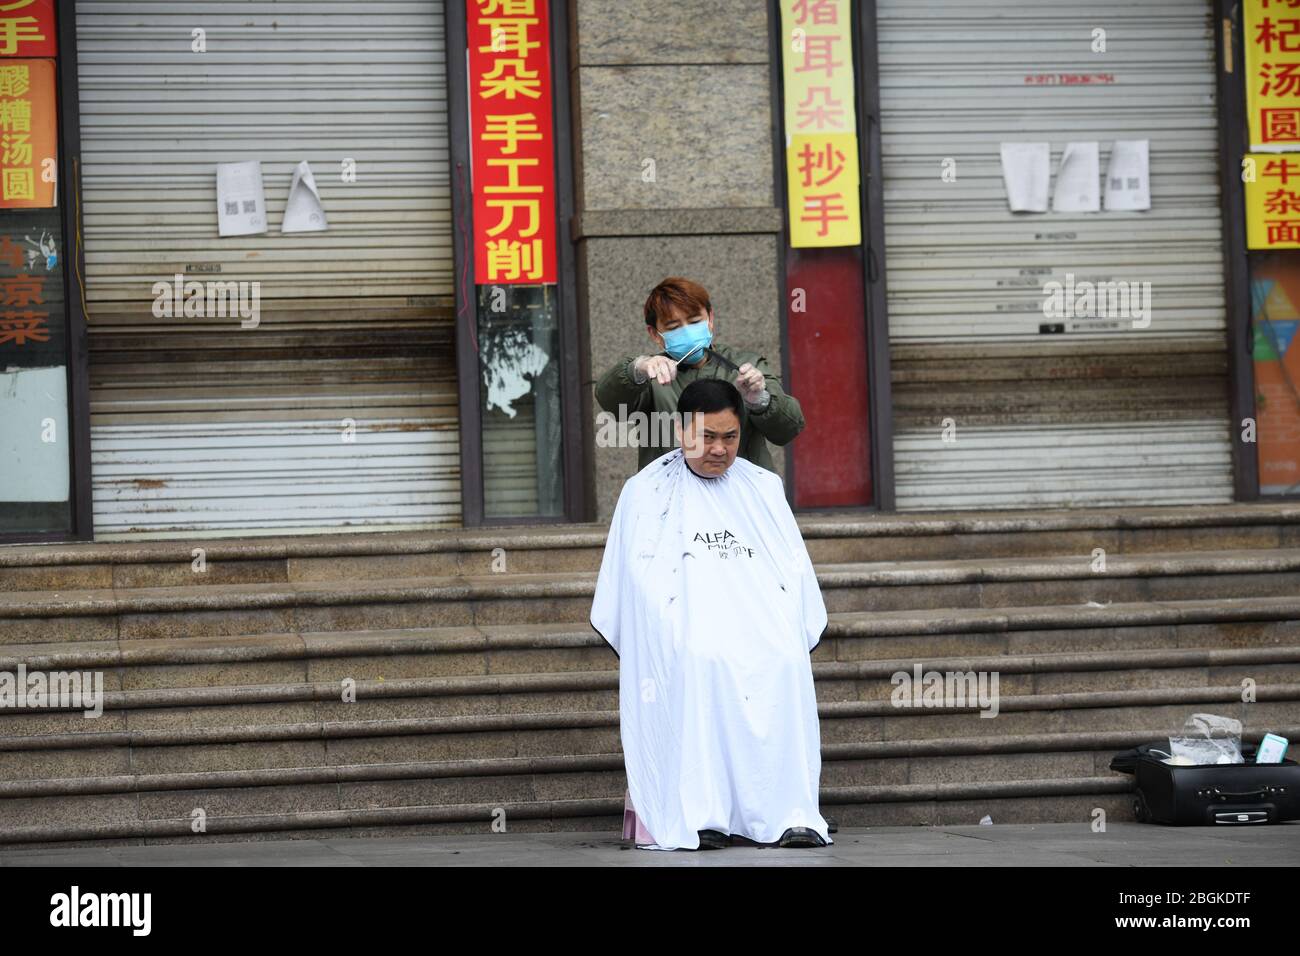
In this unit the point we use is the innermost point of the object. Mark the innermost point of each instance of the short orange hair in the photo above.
(674, 295)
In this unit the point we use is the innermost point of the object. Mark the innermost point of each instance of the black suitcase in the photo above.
(1213, 795)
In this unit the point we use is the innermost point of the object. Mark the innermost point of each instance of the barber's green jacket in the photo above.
(779, 422)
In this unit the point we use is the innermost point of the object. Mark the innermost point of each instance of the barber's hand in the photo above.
(658, 367)
(752, 384)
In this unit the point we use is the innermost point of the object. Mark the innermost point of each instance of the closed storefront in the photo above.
(999, 402)
(314, 267)
(334, 407)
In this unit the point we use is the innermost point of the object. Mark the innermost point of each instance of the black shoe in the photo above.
(831, 825)
(714, 840)
(800, 837)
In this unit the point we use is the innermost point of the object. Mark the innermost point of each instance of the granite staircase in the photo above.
(482, 694)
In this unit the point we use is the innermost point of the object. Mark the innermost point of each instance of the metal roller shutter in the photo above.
(1051, 420)
(198, 425)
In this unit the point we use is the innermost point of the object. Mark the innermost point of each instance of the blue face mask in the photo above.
(689, 340)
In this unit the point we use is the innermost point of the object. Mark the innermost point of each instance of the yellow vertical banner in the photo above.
(1272, 188)
(821, 141)
(1272, 46)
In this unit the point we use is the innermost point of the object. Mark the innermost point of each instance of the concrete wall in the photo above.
(688, 86)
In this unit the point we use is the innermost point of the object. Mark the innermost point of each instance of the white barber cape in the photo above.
(707, 593)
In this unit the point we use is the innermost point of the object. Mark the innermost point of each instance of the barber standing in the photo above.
(679, 319)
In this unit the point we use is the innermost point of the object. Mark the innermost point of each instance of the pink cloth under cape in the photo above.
(632, 828)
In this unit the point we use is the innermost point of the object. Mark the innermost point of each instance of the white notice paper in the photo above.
(1128, 181)
(1026, 169)
(241, 202)
(303, 211)
(1078, 180)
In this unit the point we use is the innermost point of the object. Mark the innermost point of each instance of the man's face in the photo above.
(709, 441)
(676, 321)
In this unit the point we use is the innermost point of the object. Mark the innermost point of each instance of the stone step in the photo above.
(603, 818)
(1029, 756)
(370, 654)
(29, 617)
(301, 560)
(1011, 582)
(836, 682)
(539, 648)
(863, 784)
(566, 647)
(173, 745)
(341, 794)
(935, 536)
(831, 539)
(291, 812)
(428, 673)
(479, 690)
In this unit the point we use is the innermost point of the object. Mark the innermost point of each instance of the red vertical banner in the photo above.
(825, 295)
(511, 141)
(28, 104)
(27, 28)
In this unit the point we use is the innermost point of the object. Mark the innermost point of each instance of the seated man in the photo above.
(707, 594)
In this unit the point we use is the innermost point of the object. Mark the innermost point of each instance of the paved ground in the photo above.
(1058, 844)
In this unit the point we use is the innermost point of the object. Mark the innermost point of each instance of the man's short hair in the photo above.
(709, 395)
(674, 295)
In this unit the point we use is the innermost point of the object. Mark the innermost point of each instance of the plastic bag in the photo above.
(1208, 739)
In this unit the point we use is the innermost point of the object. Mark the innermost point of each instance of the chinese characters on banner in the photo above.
(28, 134)
(1272, 42)
(31, 268)
(820, 123)
(1273, 201)
(27, 28)
(28, 107)
(511, 141)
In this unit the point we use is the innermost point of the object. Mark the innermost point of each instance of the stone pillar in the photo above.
(685, 87)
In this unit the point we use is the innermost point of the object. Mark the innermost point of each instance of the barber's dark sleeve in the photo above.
(782, 419)
(617, 387)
